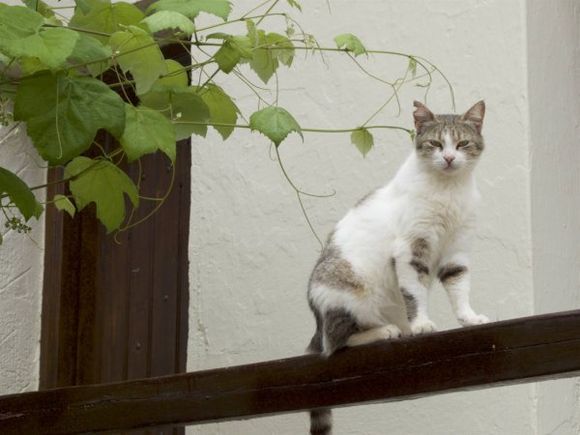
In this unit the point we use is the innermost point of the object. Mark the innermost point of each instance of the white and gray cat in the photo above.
(372, 278)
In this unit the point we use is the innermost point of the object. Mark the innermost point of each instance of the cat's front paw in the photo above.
(422, 326)
(472, 319)
(390, 331)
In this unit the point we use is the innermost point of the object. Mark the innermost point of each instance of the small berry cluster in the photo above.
(17, 225)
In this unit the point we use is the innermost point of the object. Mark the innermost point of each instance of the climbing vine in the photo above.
(51, 85)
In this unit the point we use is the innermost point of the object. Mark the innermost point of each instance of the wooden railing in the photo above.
(514, 351)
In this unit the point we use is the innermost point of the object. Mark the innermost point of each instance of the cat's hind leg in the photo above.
(341, 330)
(338, 326)
(385, 332)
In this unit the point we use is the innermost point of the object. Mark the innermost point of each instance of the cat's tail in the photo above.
(321, 422)
(320, 419)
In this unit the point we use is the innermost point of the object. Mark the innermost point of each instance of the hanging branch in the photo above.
(55, 66)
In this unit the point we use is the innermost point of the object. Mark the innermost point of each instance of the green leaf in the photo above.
(275, 123)
(412, 66)
(227, 57)
(89, 50)
(39, 6)
(63, 113)
(233, 49)
(295, 4)
(51, 46)
(169, 20)
(218, 35)
(137, 52)
(222, 109)
(103, 183)
(191, 8)
(17, 22)
(147, 131)
(7, 91)
(62, 203)
(21, 35)
(243, 45)
(188, 107)
(282, 48)
(104, 17)
(20, 194)
(350, 43)
(182, 107)
(274, 48)
(252, 32)
(83, 5)
(363, 140)
(31, 65)
(175, 78)
(263, 63)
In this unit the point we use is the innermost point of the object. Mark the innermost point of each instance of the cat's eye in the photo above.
(436, 144)
(462, 144)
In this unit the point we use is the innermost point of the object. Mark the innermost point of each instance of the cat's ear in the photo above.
(475, 115)
(421, 115)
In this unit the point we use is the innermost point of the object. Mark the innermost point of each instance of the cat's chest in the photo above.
(440, 214)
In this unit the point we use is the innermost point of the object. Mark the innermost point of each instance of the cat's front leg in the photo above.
(412, 269)
(455, 277)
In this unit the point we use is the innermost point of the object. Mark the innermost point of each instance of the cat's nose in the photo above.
(449, 158)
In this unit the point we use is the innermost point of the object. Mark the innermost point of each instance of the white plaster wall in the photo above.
(554, 88)
(21, 269)
(251, 252)
(21, 272)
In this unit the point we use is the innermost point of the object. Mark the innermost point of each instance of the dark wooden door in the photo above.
(115, 308)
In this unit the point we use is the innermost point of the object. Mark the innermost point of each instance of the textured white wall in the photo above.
(554, 88)
(21, 268)
(251, 251)
(21, 272)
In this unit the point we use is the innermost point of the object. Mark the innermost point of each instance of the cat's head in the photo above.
(449, 144)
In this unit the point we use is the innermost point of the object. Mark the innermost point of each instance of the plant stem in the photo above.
(310, 130)
(368, 127)
(255, 8)
(268, 11)
(452, 92)
(298, 192)
(237, 20)
(9, 133)
(208, 80)
(80, 30)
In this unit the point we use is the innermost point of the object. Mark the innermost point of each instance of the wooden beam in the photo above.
(514, 351)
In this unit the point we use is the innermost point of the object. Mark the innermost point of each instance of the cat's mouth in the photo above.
(450, 168)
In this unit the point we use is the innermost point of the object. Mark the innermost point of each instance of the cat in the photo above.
(372, 278)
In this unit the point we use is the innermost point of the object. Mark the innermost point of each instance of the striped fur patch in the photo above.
(451, 272)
